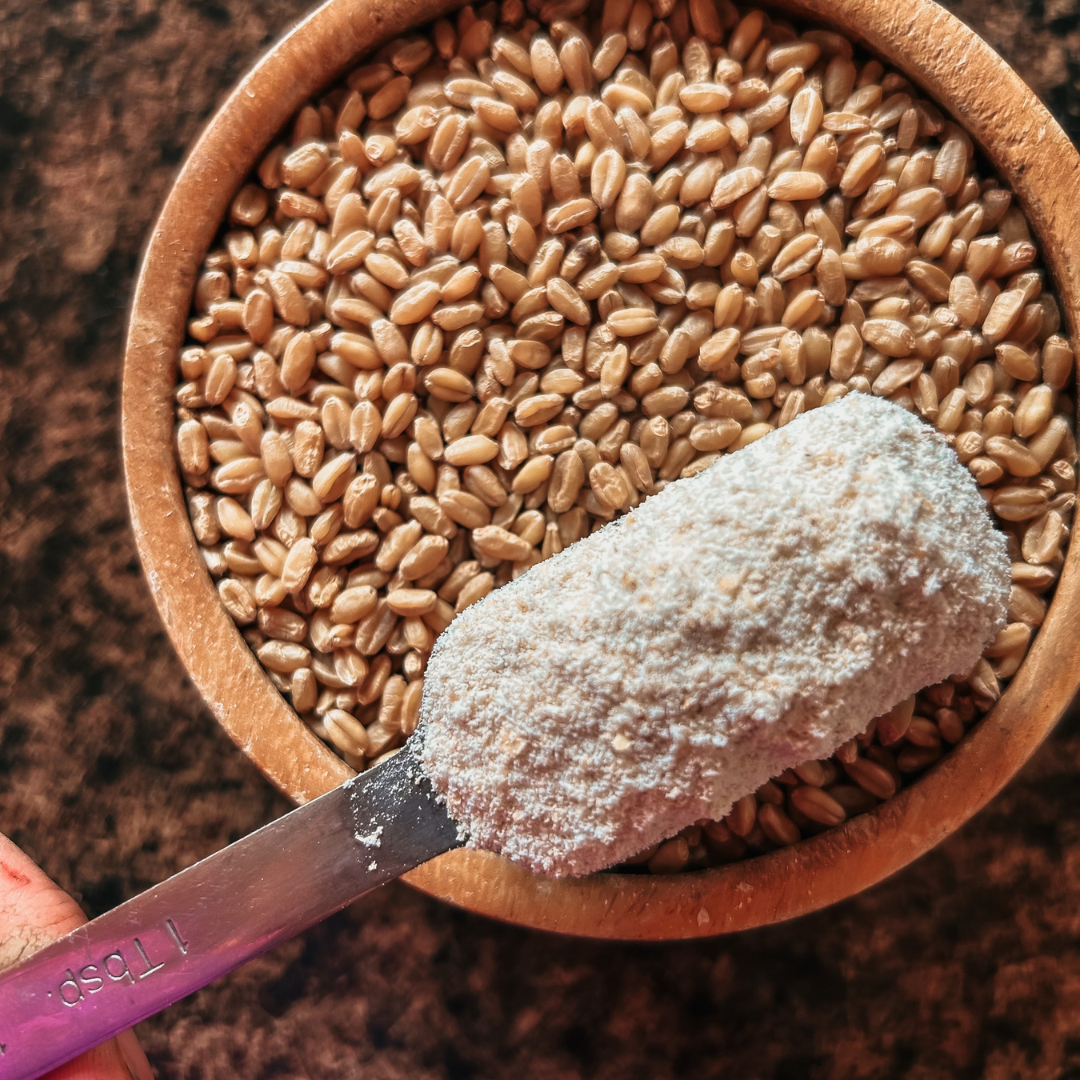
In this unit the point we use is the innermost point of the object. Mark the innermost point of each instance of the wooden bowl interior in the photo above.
(1021, 140)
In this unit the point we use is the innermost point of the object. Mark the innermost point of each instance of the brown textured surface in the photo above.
(112, 775)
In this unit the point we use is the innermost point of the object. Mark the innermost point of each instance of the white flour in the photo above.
(739, 623)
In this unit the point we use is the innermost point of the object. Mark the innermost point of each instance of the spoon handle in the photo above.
(168, 942)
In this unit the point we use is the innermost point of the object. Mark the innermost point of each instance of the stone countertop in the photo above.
(113, 775)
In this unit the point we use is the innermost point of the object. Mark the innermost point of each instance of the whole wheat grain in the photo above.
(310, 399)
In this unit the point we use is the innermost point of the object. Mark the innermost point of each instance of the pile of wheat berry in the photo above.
(530, 264)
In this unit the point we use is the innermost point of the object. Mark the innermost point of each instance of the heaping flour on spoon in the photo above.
(740, 622)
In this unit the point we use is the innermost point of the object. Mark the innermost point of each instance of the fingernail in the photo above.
(133, 1056)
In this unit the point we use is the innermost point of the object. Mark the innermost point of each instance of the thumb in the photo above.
(33, 913)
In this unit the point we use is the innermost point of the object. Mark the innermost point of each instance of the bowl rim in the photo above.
(1034, 156)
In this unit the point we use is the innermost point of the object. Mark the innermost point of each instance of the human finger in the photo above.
(34, 911)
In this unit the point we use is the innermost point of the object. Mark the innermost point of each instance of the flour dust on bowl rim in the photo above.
(1032, 155)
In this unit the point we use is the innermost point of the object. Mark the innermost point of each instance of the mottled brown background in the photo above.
(113, 775)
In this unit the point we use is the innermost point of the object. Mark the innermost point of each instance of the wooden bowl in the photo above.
(1018, 136)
